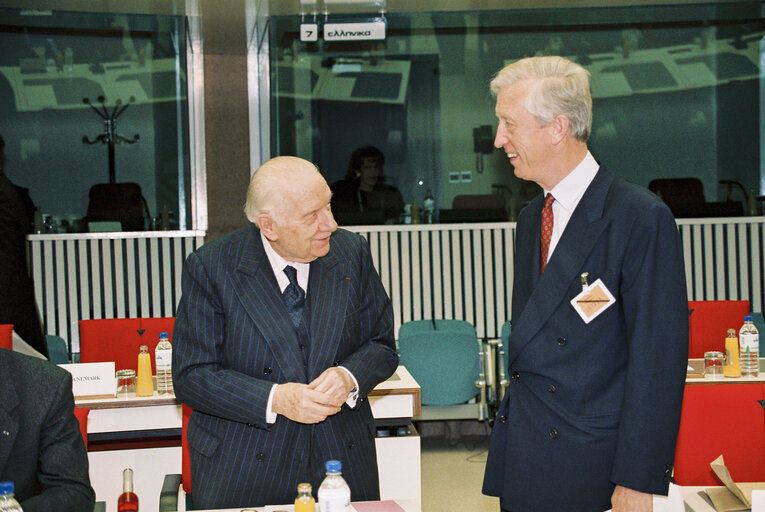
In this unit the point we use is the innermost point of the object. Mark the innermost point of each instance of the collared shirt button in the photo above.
(503, 419)
(553, 433)
(267, 370)
(551, 388)
(516, 376)
(562, 341)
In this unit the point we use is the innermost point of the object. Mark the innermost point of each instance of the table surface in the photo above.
(696, 375)
(368, 506)
(400, 383)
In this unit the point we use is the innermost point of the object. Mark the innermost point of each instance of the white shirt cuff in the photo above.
(270, 414)
(353, 396)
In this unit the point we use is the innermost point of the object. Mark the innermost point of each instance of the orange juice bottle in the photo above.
(732, 366)
(144, 385)
(304, 501)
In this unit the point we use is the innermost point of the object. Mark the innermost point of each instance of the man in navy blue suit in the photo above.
(283, 329)
(599, 342)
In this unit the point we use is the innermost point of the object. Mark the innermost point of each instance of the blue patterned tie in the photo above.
(294, 296)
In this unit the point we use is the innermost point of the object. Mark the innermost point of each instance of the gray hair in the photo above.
(272, 183)
(560, 87)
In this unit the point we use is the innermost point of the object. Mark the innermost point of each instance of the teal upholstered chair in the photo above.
(58, 352)
(448, 366)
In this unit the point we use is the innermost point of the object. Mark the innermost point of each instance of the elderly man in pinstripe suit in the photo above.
(276, 362)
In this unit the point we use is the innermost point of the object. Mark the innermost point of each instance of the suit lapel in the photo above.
(9, 427)
(258, 291)
(582, 232)
(328, 297)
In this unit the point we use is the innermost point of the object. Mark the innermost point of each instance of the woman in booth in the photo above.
(363, 197)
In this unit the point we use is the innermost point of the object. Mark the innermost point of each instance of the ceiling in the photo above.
(223, 22)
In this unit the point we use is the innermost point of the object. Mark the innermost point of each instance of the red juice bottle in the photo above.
(128, 501)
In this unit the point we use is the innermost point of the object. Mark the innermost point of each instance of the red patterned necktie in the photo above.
(547, 227)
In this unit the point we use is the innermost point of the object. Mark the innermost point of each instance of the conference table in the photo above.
(143, 433)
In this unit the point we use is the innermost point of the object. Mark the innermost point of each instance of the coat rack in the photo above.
(110, 135)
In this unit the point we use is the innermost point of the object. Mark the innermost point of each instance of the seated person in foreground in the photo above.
(363, 197)
(41, 446)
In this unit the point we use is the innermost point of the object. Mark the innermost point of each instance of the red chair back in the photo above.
(185, 460)
(709, 321)
(82, 416)
(119, 339)
(6, 336)
(721, 419)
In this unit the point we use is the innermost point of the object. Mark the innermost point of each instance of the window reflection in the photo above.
(93, 112)
(676, 94)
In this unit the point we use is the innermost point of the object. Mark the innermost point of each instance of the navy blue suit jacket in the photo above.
(593, 405)
(41, 446)
(233, 339)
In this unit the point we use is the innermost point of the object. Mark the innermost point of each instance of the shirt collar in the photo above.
(570, 189)
(278, 263)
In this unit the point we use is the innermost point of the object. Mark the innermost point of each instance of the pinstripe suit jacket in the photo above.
(233, 339)
(41, 447)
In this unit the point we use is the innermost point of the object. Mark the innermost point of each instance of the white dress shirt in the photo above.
(277, 265)
(567, 193)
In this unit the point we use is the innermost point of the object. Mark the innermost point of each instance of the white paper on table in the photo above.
(758, 500)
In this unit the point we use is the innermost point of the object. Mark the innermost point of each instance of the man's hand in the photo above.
(335, 382)
(302, 404)
(628, 500)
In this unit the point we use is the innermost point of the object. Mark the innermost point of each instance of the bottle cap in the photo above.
(143, 348)
(748, 318)
(731, 333)
(304, 487)
(163, 335)
(333, 466)
(6, 487)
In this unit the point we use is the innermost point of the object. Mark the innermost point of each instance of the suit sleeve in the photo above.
(200, 379)
(62, 460)
(375, 359)
(655, 308)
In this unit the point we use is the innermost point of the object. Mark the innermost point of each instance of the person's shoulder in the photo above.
(343, 186)
(23, 366)
(229, 241)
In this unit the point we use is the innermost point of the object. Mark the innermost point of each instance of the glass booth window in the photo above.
(677, 94)
(94, 118)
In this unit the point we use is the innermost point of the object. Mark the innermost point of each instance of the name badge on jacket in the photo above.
(592, 301)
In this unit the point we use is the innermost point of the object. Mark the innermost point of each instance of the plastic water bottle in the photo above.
(429, 207)
(164, 360)
(334, 493)
(749, 341)
(7, 502)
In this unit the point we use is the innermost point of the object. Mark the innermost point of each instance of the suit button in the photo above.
(516, 376)
(553, 433)
(302, 347)
(562, 341)
(351, 444)
(551, 388)
(337, 363)
(267, 370)
(502, 419)
(261, 457)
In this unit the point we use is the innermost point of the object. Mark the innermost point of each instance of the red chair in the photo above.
(185, 457)
(6, 336)
(721, 419)
(82, 417)
(709, 321)
(168, 498)
(119, 339)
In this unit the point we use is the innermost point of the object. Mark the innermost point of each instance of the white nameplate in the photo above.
(309, 32)
(92, 379)
(372, 30)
